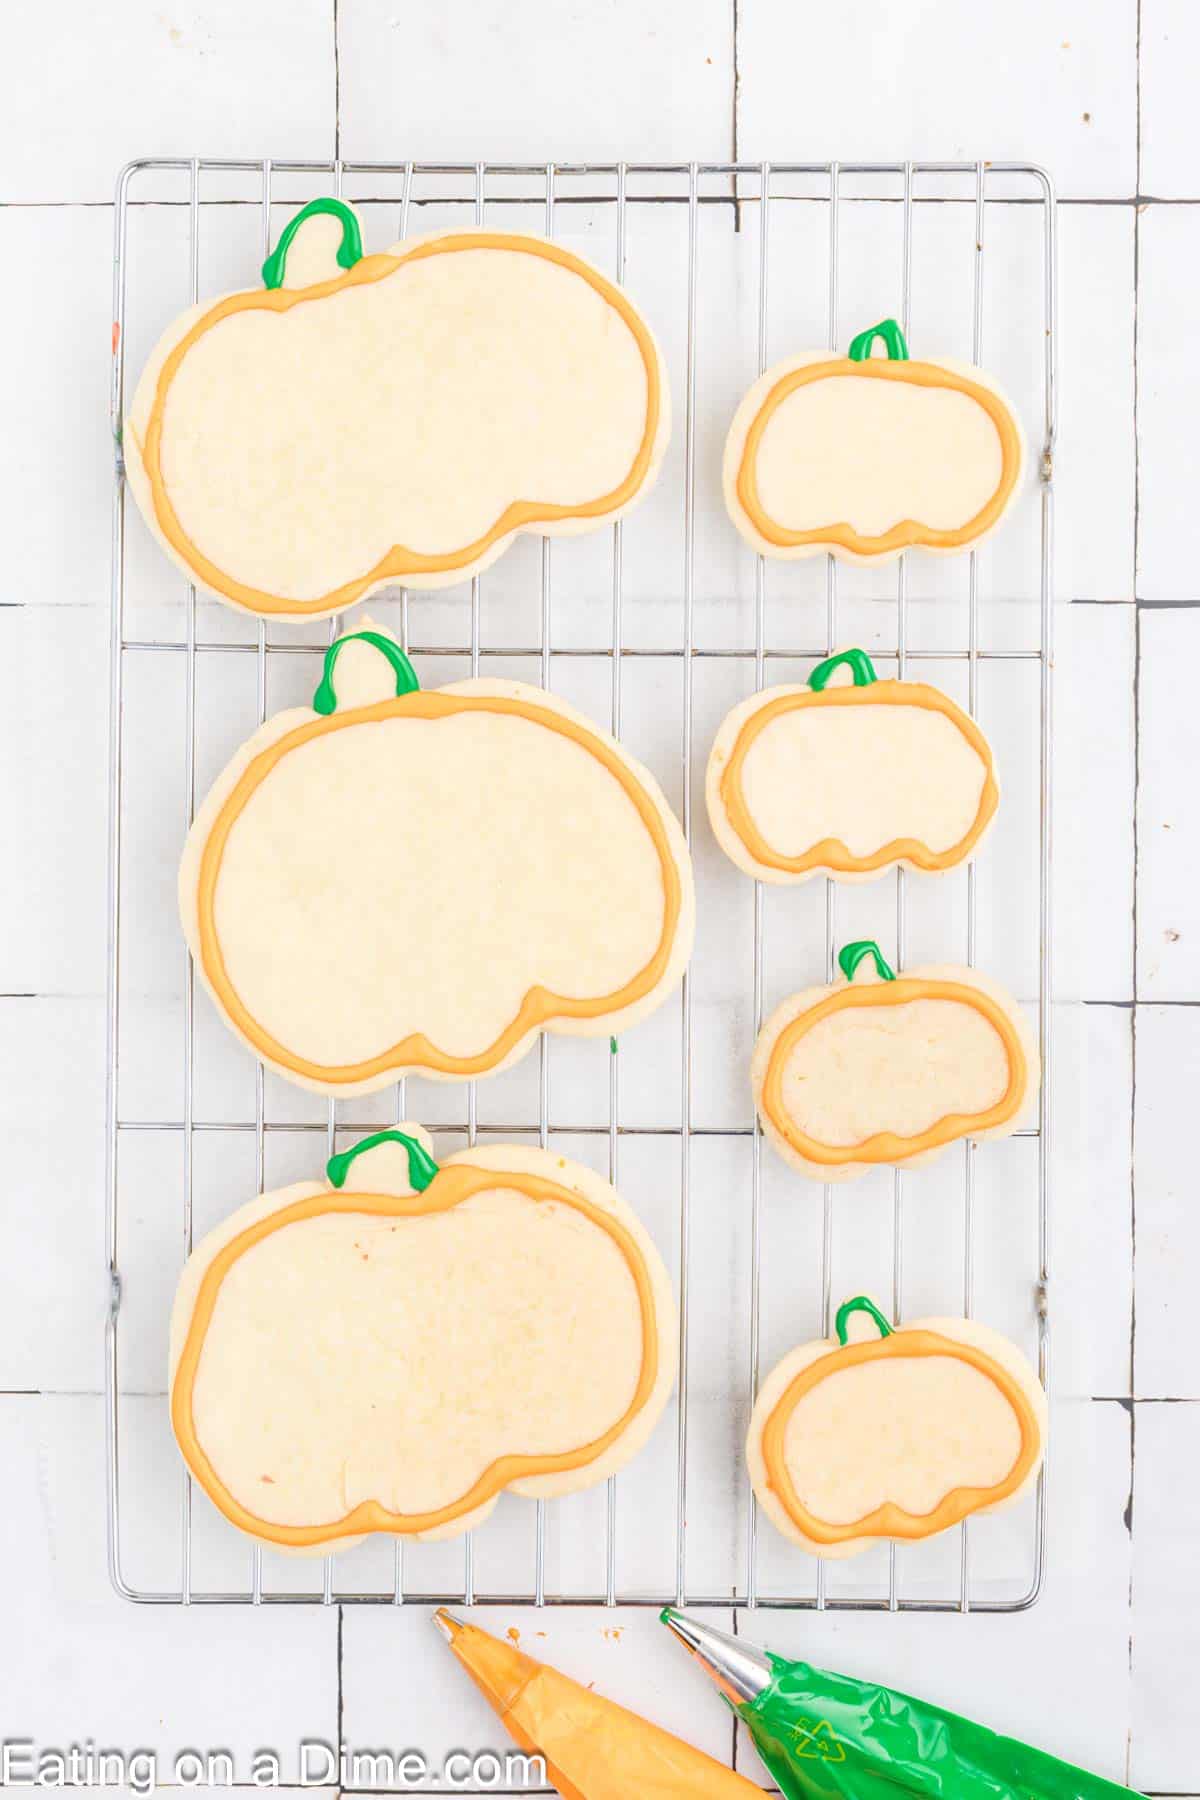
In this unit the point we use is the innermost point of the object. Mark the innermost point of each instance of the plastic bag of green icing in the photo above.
(830, 1737)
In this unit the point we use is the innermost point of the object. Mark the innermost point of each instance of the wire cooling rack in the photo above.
(658, 626)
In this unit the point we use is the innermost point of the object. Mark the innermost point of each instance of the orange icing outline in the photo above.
(539, 1004)
(831, 853)
(906, 532)
(449, 1188)
(889, 1519)
(399, 561)
(886, 1146)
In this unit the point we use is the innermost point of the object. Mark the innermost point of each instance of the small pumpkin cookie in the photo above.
(881, 1068)
(393, 1347)
(866, 456)
(365, 419)
(397, 882)
(849, 780)
(899, 1435)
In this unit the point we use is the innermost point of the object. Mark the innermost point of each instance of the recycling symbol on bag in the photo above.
(818, 1741)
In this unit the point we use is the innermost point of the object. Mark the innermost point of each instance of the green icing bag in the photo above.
(830, 1737)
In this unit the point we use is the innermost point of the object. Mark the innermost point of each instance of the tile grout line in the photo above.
(1129, 1401)
(337, 87)
(341, 1690)
(735, 108)
(136, 1393)
(1129, 1597)
(1137, 770)
(737, 83)
(1163, 1005)
(1137, 721)
(1137, 470)
(89, 606)
(1137, 95)
(1133, 1017)
(1151, 1005)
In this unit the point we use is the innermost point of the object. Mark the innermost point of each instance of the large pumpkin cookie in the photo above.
(390, 1349)
(394, 417)
(899, 1435)
(880, 1068)
(866, 456)
(397, 882)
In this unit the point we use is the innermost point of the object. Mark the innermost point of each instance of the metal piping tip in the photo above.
(687, 1633)
(739, 1670)
(447, 1624)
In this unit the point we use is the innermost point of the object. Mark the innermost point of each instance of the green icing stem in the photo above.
(858, 663)
(889, 333)
(850, 955)
(349, 250)
(860, 1304)
(325, 698)
(421, 1166)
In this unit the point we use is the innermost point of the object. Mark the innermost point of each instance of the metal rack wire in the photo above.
(750, 194)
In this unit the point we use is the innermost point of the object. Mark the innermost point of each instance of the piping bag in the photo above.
(593, 1749)
(830, 1737)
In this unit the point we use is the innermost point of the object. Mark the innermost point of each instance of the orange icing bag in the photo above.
(593, 1749)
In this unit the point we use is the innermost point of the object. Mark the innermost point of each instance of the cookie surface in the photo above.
(865, 457)
(884, 1069)
(849, 781)
(392, 1351)
(421, 884)
(397, 417)
(900, 1435)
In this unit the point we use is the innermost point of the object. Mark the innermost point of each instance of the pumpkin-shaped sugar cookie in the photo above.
(397, 882)
(849, 781)
(880, 1068)
(896, 1435)
(362, 419)
(867, 456)
(391, 1348)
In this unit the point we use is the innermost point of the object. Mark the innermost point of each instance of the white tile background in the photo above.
(1102, 92)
